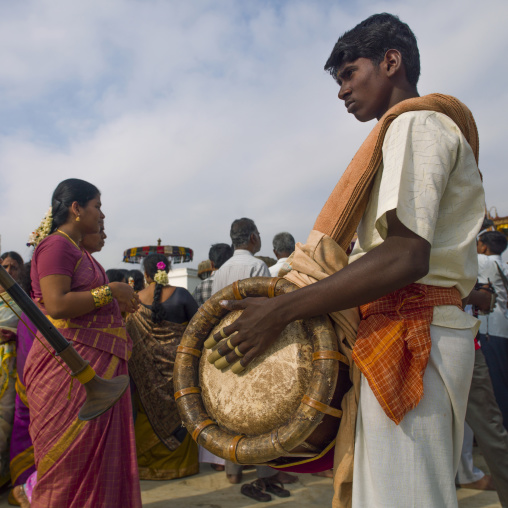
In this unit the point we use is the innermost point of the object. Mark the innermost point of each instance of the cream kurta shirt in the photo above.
(430, 176)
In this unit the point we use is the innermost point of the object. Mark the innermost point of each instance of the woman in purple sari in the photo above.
(79, 464)
(22, 463)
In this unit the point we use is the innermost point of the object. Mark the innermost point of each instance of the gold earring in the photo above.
(77, 219)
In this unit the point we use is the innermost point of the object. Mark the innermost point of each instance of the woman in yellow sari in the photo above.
(164, 448)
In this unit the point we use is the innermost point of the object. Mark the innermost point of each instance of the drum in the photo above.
(283, 408)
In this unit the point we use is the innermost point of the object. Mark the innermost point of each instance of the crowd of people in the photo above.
(423, 276)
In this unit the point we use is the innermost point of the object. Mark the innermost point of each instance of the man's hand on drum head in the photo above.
(250, 335)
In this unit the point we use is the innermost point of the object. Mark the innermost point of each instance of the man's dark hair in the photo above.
(241, 229)
(283, 242)
(371, 39)
(495, 241)
(219, 253)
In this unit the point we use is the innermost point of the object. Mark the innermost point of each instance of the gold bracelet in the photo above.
(102, 296)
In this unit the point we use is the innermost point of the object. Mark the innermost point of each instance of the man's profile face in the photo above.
(481, 248)
(364, 88)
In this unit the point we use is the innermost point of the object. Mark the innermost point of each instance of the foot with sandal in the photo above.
(281, 477)
(260, 489)
(17, 497)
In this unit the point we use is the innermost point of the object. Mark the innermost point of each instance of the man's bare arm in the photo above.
(401, 259)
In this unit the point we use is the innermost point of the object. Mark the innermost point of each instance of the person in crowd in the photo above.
(205, 269)
(22, 463)
(493, 334)
(414, 194)
(218, 254)
(9, 312)
(79, 463)
(483, 418)
(242, 265)
(115, 275)
(13, 264)
(283, 246)
(165, 450)
(136, 280)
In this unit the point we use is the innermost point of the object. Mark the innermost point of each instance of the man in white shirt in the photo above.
(418, 232)
(493, 334)
(243, 265)
(283, 246)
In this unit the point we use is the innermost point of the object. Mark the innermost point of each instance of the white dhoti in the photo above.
(413, 464)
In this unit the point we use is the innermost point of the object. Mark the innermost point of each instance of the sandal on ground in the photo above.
(273, 486)
(254, 492)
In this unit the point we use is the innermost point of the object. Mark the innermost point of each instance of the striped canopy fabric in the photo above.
(176, 254)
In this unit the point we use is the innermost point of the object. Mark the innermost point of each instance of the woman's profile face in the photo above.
(12, 267)
(91, 216)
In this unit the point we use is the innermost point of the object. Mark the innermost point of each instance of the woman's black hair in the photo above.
(139, 279)
(25, 280)
(13, 255)
(150, 267)
(65, 194)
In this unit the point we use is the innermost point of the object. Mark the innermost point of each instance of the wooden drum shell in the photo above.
(287, 440)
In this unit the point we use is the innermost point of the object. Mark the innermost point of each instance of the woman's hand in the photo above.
(127, 299)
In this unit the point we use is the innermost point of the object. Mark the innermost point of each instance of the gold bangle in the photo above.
(102, 296)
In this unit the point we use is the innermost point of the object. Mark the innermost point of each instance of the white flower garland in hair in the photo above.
(43, 230)
(161, 277)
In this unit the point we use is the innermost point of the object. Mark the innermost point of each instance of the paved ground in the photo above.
(210, 489)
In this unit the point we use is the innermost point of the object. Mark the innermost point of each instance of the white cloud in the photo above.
(188, 115)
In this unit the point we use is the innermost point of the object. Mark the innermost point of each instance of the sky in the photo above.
(188, 115)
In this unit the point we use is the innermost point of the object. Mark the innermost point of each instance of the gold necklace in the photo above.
(65, 234)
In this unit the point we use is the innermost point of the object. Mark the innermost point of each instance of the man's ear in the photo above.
(392, 62)
(212, 264)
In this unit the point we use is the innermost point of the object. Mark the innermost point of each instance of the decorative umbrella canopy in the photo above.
(176, 254)
(500, 223)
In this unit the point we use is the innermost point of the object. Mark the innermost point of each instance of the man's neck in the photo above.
(400, 94)
(245, 248)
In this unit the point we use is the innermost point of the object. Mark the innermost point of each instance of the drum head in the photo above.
(270, 389)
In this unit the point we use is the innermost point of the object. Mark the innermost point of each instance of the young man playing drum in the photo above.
(414, 261)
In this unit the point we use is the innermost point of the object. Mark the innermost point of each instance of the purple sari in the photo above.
(22, 451)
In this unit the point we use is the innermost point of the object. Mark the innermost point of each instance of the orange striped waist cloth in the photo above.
(393, 344)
